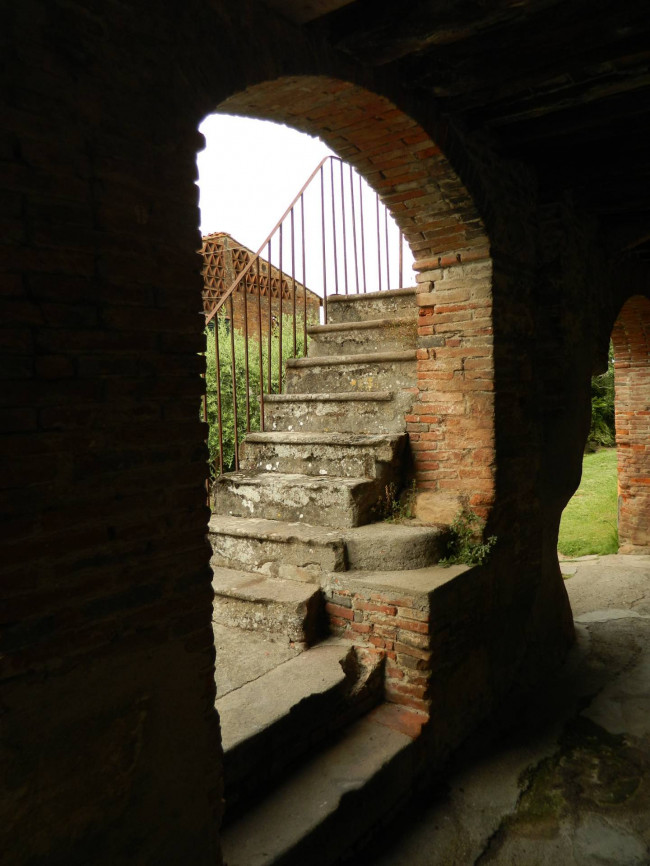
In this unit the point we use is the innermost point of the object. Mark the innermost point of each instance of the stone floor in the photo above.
(570, 786)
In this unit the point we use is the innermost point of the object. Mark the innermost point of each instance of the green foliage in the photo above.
(602, 432)
(464, 544)
(393, 507)
(226, 381)
(588, 523)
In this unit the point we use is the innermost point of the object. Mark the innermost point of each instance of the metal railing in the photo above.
(336, 237)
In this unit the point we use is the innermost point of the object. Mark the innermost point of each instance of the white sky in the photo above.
(249, 173)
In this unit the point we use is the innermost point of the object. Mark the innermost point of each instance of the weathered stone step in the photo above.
(362, 372)
(351, 454)
(285, 610)
(299, 551)
(326, 501)
(372, 335)
(321, 811)
(293, 551)
(393, 546)
(371, 305)
(271, 722)
(345, 412)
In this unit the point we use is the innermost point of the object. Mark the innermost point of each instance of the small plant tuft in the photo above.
(464, 545)
(394, 507)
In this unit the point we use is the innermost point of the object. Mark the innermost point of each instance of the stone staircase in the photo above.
(301, 556)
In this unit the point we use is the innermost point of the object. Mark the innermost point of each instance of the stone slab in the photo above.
(371, 305)
(345, 412)
(309, 817)
(300, 551)
(288, 610)
(362, 372)
(351, 338)
(417, 583)
(616, 580)
(327, 501)
(243, 656)
(393, 547)
(323, 454)
(260, 704)
(290, 550)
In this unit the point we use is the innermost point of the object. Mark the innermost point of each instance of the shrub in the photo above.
(464, 544)
(226, 381)
(602, 432)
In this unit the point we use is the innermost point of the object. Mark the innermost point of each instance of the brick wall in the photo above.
(631, 339)
(109, 728)
(397, 627)
(110, 740)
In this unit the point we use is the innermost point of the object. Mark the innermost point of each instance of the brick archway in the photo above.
(631, 339)
(452, 423)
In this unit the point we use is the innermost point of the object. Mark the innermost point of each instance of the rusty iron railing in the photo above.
(336, 237)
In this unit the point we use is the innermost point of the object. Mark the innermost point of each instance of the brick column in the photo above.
(452, 424)
(631, 339)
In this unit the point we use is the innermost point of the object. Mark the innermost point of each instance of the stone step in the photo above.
(242, 656)
(371, 305)
(363, 372)
(268, 724)
(299, 551)
(286, 610)
(324, 809)
(352, 454)
(292, 551)
(389, 546)
(326, 501)
(372, 335)
(345, 412)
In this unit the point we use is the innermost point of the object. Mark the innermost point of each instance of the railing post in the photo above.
(217, 367)
(234, 379)
(304, 274)
(363, 240)
(378, 245)
(259, 332)
(324, 244)
(280, 281)
(336, 263)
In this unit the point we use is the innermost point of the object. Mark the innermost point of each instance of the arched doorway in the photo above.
(451, 422)
(450, 415)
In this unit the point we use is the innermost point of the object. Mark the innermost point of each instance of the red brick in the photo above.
(361, 628)
(337, 610)
(387, 609)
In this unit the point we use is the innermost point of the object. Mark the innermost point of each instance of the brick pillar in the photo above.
(631, 339)
(452, 424)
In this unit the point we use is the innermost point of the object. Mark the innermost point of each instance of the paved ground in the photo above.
(572, 786)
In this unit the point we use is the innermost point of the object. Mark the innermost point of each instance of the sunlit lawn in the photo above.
(589, 520)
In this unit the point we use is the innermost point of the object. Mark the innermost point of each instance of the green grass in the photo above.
(589, 521)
